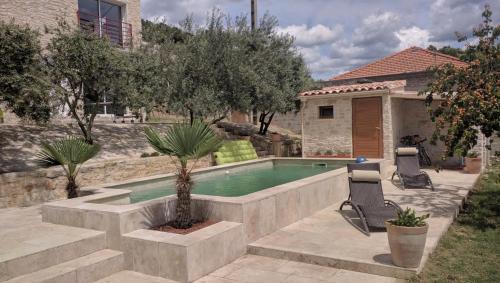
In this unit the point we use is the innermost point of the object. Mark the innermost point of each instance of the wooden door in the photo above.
(367, 127)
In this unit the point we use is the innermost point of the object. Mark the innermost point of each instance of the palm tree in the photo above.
(70, 153)
(185, 142)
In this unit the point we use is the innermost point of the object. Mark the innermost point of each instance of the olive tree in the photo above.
(23, 85)
(211, 71)
(84, 69)
(280, 72)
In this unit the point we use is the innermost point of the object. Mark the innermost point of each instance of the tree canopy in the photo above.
(225, 66)
(469, 97)
(280, 72)
(23, 85)
(84, 69)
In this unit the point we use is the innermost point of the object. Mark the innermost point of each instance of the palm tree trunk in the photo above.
(72, 188)
(183, 209)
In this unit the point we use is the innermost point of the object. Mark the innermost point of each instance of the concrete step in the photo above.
(36, 247)
(85, 269)
(127, 276)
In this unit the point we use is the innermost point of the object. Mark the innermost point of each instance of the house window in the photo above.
(104, 19)
(326, 112)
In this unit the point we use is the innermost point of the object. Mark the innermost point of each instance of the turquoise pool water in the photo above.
(232, 182)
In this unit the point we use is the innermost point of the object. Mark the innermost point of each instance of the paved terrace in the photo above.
(327, 239)
(338, 251)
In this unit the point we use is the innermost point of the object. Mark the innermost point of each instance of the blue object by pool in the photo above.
(360, 159)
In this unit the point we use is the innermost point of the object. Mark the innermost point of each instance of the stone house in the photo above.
(366, 111)
(118, 20)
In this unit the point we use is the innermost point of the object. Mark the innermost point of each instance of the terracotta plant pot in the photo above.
(472, 165)
(407, 244)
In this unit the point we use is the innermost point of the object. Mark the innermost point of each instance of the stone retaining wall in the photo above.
(38, 186)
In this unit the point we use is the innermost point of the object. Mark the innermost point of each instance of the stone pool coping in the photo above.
(261, 212)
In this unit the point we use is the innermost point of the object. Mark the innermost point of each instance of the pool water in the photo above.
(231, 182)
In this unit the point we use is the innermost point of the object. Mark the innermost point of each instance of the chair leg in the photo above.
(402, 181)
(346, 202)
(362, 218)
(429, 181)
(393, 174)
(360, 215)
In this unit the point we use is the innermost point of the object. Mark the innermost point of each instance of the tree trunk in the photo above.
(262, 118)
(72, 188)
(264, 125)
(191, 117)
(183, 209)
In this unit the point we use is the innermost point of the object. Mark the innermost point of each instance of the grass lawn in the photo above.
(470, 250)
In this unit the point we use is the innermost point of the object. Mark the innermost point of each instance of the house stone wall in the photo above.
(336, 134)
(327, 134)
(132, 15)
(410, 117)
(40, 15)
(45, 15)
(290, 121)
(387, 135)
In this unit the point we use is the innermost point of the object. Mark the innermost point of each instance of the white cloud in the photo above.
(413, 36)
(316, 35)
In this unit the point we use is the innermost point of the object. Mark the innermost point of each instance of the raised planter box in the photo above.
(184, 258)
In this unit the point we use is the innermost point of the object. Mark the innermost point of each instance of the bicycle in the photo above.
(416, 141)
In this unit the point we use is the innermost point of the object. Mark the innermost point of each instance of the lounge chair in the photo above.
(367, 198)
(408, 169)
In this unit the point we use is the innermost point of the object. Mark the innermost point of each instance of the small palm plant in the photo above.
(185, 142)
(70, 153)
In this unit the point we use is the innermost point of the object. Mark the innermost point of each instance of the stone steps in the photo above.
(35, 247)
(85, 269)
(127, 276)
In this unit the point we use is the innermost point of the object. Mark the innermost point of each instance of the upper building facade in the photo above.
(119, 20)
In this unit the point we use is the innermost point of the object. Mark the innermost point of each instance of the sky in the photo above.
(335, 36)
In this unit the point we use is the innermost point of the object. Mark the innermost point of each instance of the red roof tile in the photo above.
(356, 88)
(411, 60)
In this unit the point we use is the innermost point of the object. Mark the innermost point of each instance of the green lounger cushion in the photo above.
(235, 151)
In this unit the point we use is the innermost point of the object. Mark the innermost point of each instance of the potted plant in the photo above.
(472, 163)
(407, 235)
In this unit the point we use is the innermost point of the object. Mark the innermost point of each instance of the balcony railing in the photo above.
(119, 33)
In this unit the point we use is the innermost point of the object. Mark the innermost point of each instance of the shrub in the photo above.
(408, 218)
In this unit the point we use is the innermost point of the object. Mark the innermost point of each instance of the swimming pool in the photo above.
(234, 181)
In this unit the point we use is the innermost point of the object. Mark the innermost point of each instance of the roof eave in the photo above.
(345, 94)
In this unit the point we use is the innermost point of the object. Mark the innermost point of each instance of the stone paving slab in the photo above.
(258, 269)
(127, 276)
(327, 239)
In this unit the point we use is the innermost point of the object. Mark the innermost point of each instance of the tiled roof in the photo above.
(411, 60)
(356, 88)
